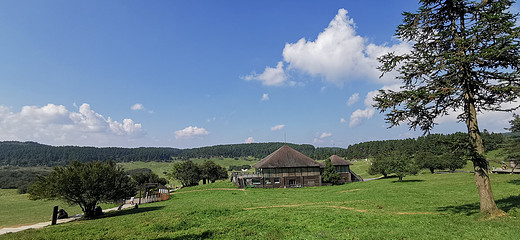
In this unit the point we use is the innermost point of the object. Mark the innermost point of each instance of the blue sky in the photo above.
(197, 73)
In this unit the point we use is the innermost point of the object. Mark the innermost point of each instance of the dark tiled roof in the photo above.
(337, 161)
(286, 157)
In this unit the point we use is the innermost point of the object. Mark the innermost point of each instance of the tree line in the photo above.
(29, 154)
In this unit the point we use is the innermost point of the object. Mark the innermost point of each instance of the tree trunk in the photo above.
(90, 210)
(480, 164)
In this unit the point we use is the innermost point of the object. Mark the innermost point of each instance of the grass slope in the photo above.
(16, 209)
(427, 206)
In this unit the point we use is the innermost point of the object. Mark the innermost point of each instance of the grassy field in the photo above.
(426, 206)
(16, 209)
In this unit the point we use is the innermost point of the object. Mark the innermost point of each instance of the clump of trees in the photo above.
(190, 173)
(398, 163)
(145, 175)
(84, 184)
(438, 152)
(513, 145)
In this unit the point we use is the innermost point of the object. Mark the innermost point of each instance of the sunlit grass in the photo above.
(426, 206)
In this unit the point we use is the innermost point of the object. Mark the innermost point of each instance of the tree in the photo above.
(187, 172)
(330, 175)
(84, 184)
(148, 177)
(210, 171)
(402, 165)
(398, 163)
(465, 57)
(380, 165)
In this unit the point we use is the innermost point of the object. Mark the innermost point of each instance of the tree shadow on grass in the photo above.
(203, 235)
(405, 181)
(516, 182)
(131, 211)
(470, 209)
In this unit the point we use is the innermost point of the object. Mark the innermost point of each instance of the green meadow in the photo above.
(426, 206)
(16, 209)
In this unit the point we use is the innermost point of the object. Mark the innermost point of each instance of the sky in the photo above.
(187, 74)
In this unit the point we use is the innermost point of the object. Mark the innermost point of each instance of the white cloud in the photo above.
(278, 127)
(249, 140)
(211, 119)
(342, 120)
(358, 115)
(265, 97)
(137, 107)
(54, 124)
(338, 53)
(190, 132)
(317, 140)
(353, 99)
(140, 107)
(325, 135)
(270, 76)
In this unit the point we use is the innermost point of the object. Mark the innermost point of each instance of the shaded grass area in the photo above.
(438, 206)
(17, 209)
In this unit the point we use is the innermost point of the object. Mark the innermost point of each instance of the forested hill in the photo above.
(35, 154)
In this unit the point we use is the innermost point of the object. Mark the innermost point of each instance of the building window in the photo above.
(292, 181)
(256, 181)
(276, 180)
(268, 181)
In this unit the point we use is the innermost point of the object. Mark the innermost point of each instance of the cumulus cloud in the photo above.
(325, 135)
(265, 97)
(278, 127)
(337, 55)
(357, 116)
(249, 140)
(190, 132)
(270, 76)
(137, 107)
(54, 124)
(353, 99)
(342, 120)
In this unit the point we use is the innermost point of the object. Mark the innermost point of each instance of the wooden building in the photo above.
(287, 167)
(284, 167)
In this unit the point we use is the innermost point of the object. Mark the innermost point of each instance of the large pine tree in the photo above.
(465, 57)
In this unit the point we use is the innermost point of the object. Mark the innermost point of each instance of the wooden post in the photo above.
(54, 215)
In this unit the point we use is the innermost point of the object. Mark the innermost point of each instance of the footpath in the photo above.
(44, 224)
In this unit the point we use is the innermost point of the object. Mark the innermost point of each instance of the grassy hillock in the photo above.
(426, 206)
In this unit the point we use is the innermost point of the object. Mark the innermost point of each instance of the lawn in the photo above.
(17, 209)
(426, 206)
